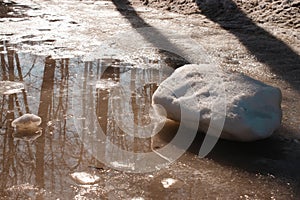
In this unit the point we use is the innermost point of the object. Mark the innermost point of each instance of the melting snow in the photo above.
(85, 178)
(167, 182)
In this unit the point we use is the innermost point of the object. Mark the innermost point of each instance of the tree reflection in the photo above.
(44, 112)
(45, 162)
(40, 168)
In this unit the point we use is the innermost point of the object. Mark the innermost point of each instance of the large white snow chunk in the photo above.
(251, 108)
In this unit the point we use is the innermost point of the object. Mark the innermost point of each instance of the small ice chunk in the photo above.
(137, 198)
(27, 121)
(167, 182)
(27, 127)
(85, 178)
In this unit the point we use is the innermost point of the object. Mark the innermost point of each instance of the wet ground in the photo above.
(85, 62)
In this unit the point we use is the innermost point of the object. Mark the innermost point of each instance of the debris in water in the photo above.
(27, 127)
(85, 178)
(26, 121)
(167, 182)
(137, 198)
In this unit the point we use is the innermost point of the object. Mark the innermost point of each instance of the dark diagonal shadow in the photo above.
(278, 56)
(148, 32)
(276, 155)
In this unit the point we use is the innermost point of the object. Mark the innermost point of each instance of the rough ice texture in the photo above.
(251, 108)
(27, 121)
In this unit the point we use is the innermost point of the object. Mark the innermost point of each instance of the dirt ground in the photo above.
(278, 12)
(267, 30)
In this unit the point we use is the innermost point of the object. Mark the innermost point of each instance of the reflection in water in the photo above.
(46, 159)
(115, 96)
(10, 87)
(24, 135)
(118, 98)
(27, 127)
(43, 157)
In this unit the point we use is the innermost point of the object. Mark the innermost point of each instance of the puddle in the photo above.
(80, 102)
(67, 94)
(112, 108)
(97, 108)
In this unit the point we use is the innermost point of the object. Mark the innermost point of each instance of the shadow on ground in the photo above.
(148, 32)
(277, 55)
(276, 156)
(267, 49)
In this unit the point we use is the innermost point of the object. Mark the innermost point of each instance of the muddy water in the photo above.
(79, 99)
